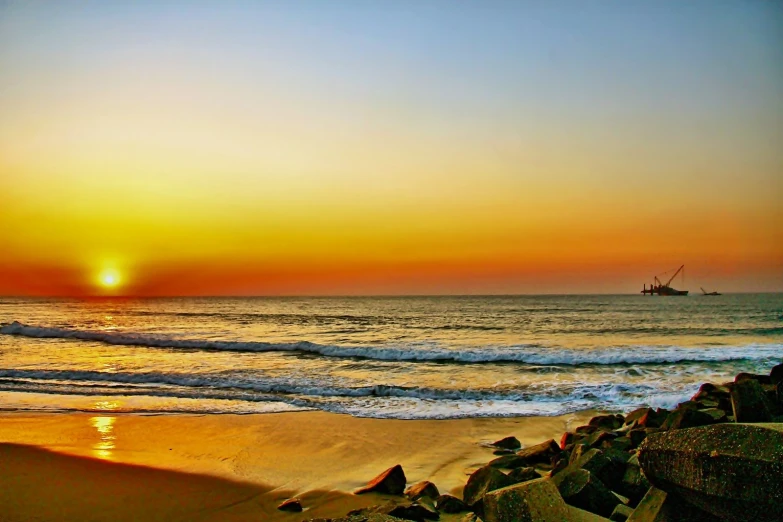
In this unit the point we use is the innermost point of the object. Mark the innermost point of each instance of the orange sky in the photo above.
(256, 151)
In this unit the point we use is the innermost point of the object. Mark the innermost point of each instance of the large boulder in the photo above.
(749, 402)
(293, 505)
(686, 417)
(418, 512)
(391, 481)
(482, 481)
(730, 470)
(534, 501)
(659, 506)
(450, 504)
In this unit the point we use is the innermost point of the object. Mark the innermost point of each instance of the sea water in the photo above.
(394, 357)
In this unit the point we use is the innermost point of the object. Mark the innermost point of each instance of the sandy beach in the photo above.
(91, 466)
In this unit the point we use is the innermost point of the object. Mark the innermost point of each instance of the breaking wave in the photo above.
(522, 353)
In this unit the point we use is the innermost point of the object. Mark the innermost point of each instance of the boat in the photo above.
(704, 292)
(657, 287)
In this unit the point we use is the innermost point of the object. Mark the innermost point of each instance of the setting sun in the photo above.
(109, 279)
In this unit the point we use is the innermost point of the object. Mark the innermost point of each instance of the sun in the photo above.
(109, 278)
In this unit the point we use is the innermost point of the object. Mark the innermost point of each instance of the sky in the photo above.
(389, 147)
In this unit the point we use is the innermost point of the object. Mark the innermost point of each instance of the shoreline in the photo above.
(319, 457)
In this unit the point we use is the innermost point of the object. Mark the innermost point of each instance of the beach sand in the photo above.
(105, 466)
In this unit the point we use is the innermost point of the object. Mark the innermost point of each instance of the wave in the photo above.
(523, 353)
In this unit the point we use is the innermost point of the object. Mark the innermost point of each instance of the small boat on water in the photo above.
(659, 288)
(704, 292)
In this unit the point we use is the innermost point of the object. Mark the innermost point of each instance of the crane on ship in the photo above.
(660, 288)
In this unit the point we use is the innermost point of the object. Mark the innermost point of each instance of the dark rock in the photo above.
(761, 379)
(523, 475)
(653, 419)
(584, 490)
(776, 374)
(482, 481)
(717, 414)
(730, 470)
(391, 481)
(659, 506)
(621, 513)
(534, 501)
(608, 470)
(400, 510)
(542, 452)
(599, 437)
(374, 517)
(425, 488)
(686, 417)
(637, 414)
(502, 451)
(607, 422)
(586, 430)
(636, 436)
(634, 485)
(508, 443)
(619, 444)
(749, 402)
(508, 462)
(566, 440)
(449, 504)
(292, 504)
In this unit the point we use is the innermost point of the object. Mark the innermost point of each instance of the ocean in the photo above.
(386, 357)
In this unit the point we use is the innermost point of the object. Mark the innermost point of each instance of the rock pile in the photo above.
(717, 457)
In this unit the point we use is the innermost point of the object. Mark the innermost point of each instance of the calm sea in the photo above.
(400, 357)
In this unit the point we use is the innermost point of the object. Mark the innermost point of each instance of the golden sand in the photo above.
(232, 467)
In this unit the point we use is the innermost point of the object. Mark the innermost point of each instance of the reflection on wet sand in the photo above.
(105, 426)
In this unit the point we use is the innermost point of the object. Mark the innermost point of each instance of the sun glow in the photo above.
(109, 278)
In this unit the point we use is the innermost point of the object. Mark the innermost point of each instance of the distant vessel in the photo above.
(703, 291)
(659, 288)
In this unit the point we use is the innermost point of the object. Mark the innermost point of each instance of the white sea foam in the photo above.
(522, 353)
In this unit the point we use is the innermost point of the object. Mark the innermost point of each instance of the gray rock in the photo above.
(534, 501)
(391, 481)
(730, 470)
(749, 402)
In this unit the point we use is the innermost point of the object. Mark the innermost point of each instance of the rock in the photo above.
(717, 414)
(686, 417)
(607, 422)
(634, 484)
(653, 419)
(391, 481)
(609, 471)
(450, 504)
(636, 436)
(508, 443)
(637, 414)
(621, 513)
(584, 490)
(599, 437)
(776, 374)
(762, 379)
(471, 517)
(523, 475)
(502, 451)
(618, 444)
(425, 488)
(534, 501)
(566, 440)
(749, 402)
(508, 462)
(292, 504)
(400, 510)
(481, 482)
(542, 452)
(586, 430)
(659, 506)
(730, 470)
(374, 517)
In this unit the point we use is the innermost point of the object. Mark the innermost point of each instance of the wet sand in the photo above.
(105, 466)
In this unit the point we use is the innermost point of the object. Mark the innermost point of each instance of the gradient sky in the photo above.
(350, 147)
